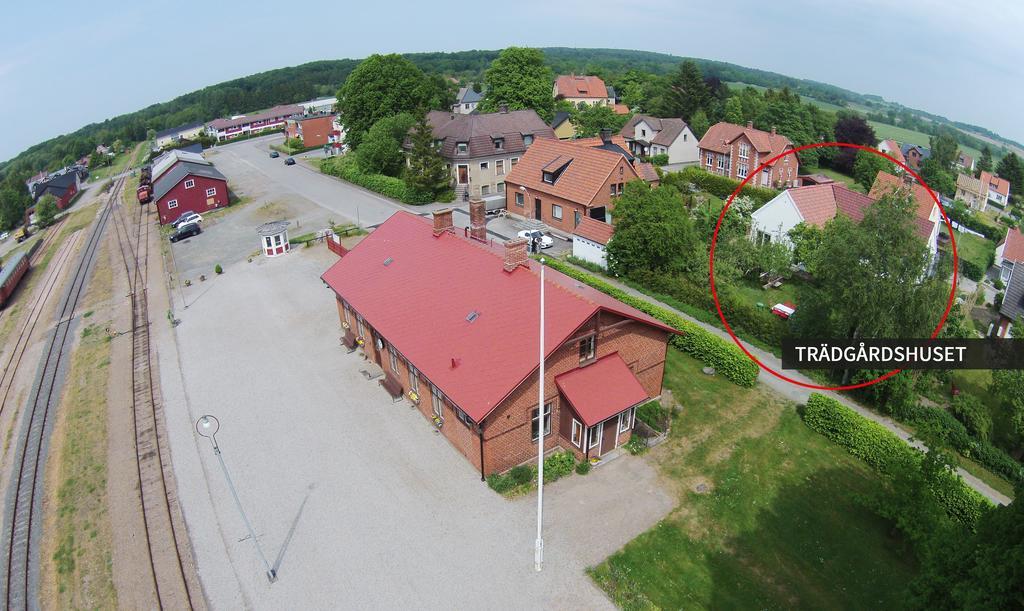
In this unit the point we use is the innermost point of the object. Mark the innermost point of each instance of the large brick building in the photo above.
(452, 320)
(313, 130)
(736, 151)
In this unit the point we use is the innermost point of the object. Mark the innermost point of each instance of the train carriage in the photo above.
(11, 274)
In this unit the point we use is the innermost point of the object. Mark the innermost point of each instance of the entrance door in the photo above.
(463, 174)
(536, 208)
(609, 435)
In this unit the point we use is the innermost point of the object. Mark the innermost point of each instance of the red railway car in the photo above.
(11, 274)
(144, 193)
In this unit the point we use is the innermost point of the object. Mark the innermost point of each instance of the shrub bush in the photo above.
(971, 270)
(719, 186)
(521, 475)
(886, 453)
(653, 415)
(660, 159)
(220, 270)
(636, 445)
(558, 465)
(346, 168)
(583, 468)
(703, 345)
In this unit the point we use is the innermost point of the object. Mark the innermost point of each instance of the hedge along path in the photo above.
(883, 451)
(694, 340)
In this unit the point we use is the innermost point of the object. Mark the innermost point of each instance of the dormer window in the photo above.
(499, 144)
(643, 132)
(549, 177)
(528, 140)
(462, 148)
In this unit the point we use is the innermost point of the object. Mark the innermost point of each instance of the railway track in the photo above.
(21, 533)
(174, 582)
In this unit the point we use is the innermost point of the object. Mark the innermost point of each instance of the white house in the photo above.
(1009, 253)
(590, 241)
(648, 136)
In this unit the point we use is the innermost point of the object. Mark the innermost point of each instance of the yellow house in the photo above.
(564, 129)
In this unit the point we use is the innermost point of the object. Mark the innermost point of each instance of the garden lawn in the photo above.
(902, 135)
(975, 249)
(777, 525)
(849, 181)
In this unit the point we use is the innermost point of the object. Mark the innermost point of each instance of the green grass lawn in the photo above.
(975, 249)
(908, 136)
(752, 292)
(777, 526)
(849, 181)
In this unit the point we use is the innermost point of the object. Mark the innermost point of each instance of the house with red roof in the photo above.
(1010, 260)
(578, 89)
(590, 241)
(736, 151)
(1009, 252)
(927, 215)
(453, 319)
(997, 190)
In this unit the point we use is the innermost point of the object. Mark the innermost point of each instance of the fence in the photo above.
(334, 245)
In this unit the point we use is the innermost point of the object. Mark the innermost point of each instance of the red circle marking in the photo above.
(756, 172)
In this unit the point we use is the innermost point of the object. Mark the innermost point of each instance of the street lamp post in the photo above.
(538, 556)
(207, 426)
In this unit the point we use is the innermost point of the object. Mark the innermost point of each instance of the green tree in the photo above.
(1011, 169)
(653, 231)
(633, 88)
(938, 176)
(734, 111)
(867, 165)
(985, 162)
(46, 210)
(382, 86)
(687, 92)
(944, 149)
(700, 124)
(590, 120)
(426, 172)
(752, 103)
(1007, 389)
(381, 150)
(521, 79)
(969, 410)
(806, 240)
(13, 203)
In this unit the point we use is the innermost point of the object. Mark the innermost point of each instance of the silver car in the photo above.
(545, 241)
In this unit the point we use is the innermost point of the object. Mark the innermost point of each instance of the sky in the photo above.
(86, 62)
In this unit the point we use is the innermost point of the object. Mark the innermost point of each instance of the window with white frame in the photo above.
(269, 242)
(211, 192)
(626, 419)
(520, 200)
(594, 436)
(414, 379)
(344, 312)
(501, 187)
(577, 433)
(515, 160)
(587, 348)
(612, 189)
(744, 150)
(462, 148)
(499, 167)
(710, 160)
(499, 144)
(171, 204)
(721, 163)
(556, 212)
(485, 189)
(483, 166)
(535, 421)
(190, 183)
(359, 326)
(463, 417)
(437, 401)
(741, 170)
(393, 357)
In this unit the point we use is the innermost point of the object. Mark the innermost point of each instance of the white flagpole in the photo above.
(538, 557)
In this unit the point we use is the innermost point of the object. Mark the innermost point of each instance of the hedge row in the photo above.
(971, 270)
(720, 186)
(346, 168)
(885, 452)
(694, 340)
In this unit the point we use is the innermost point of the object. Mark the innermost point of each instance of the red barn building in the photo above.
(189, 187)
(64, 187)
(453, 323)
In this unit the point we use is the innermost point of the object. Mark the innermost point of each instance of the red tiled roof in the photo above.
(647, 172)
(893, 150)
(620, 109)
(586, 169)
(602, 389)
(721, 135)
(994, 183)
(886, 183)
(420, 302)
(1014, 249)
(820, 203)
(573, 86)
(594, 230)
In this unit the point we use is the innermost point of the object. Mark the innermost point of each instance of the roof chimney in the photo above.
(478, 219)
(773, 130)
(442, 221)
(750, 125)
(606, 136)
(515, 254)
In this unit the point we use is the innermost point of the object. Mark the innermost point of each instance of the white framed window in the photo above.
(721, 162)
(587, 348)
(556, 212)
(741, 170)
(360, 327)
(344, 312)
(577, 433)
(594, 436)
(414, 379)
(172, 204)
(483, 166)
(437, 401)
(548, 177)
(527, 140)
(393, 357)
(211, 192)
(626, 419)
(277, 240)
(270, 243)
(534, 421)
(462, 148)
(190, 183)
(501, 187)
(463, 417)
(485, 189)
(612, 189)
(515, 160)
(744, 150)
(499, 167)
(499, 144)
(520, 201)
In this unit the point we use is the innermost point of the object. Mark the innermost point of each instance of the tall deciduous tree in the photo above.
(687, 92)
(519, 78)
(590, 120)
(867, 165)
(734, 110)
(381, 149)
(1011, 169)
(426, 172)
(699, 123)
(851, 129)
(944, 149)
(653, 231)
(1007, 389)
(46, 210)
(382, 86)
(985, 162)
(938, 176)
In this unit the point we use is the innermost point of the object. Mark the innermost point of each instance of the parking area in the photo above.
(356, 500)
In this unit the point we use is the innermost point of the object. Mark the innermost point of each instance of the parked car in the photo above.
(186, 231)
(274, 154)
(187, 217)
(545, 241)
(289, 161)
(4, 236)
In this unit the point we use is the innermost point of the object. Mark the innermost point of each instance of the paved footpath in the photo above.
(800, 394)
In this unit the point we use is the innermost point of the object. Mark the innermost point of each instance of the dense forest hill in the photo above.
(320, 78)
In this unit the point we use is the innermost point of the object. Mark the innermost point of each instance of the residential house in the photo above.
(892, 149)
(466, 100)
(481, 149)
(590, 241)
(189, 187)
(319, 106)
(559, 182)
(63, 185)
(562, 125)
(1010, 260)
(170, 136)
(247, 125)
(648, 136)
(996, 189)
(735, 151)
(816, 205)
(926, 213)
(589, 90)
(466, 356)
(915, 155)
(313, 130)
(970, 191)
(964, 162)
